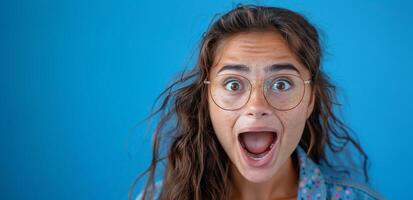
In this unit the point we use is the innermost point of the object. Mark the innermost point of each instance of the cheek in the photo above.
(294, 122)
(295, 119)
(222, 122)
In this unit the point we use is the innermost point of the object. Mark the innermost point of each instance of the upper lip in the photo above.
(256, 129)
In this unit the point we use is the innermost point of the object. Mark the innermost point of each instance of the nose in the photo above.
(257, 106)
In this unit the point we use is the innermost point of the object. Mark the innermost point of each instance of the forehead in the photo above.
(256, 50)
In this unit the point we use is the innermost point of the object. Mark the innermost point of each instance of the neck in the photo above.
(283, 185)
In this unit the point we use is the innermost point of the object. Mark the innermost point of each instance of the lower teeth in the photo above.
(257, 156)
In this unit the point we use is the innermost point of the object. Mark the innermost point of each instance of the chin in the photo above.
(259, 176)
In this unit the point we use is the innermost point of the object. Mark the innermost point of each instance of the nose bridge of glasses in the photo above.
(257, 93)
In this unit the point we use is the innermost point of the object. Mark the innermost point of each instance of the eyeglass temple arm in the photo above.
(207, 82)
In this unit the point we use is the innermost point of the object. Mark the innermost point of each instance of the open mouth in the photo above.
(257, 145)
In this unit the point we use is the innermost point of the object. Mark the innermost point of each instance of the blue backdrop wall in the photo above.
(76, 76)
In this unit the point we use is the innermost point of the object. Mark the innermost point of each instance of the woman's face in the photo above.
(258, 138)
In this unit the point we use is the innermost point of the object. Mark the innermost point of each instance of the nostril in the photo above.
(257, 113)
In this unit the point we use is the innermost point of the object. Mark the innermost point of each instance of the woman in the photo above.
(254, 119)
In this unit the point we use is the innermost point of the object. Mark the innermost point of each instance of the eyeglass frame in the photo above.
(263, 92)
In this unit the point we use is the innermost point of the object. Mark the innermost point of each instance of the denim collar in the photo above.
(311, 183)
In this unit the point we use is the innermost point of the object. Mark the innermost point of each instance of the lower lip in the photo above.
(261, 162)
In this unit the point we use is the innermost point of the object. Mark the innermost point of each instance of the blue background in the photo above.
(76, 76)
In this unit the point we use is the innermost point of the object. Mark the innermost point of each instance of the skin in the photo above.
(279, 178)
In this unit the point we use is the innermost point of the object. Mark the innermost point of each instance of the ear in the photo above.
(310, 107)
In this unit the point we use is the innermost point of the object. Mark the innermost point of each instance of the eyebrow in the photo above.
(270, 68)
(235, 67)
(281, 66)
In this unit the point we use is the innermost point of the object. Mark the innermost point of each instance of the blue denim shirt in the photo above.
(314, 185)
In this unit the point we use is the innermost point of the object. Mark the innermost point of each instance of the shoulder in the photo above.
(342, 189)
(323, 183)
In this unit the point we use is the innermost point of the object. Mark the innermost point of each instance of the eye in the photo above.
(233, 85)
(281, 85)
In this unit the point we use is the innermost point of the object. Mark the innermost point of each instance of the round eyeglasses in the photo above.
(281, 91)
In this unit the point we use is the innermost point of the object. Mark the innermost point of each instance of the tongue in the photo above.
(257, 142)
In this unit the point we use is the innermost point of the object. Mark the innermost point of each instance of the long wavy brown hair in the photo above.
(197, 167)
